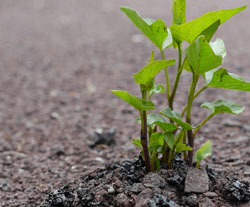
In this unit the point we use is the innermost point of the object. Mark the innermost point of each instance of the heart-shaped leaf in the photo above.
(166, 126)
(201, 57)
(147, 73)
(157, 88)
(176, 117)
(223, 79)
(134, 101)
(155, 141)
(169, 139)
(152, 118)
(137, 142)
(160, 122)
(180, 147)
(204, 152)
(192, 29)
(221, 106)
(155, 30)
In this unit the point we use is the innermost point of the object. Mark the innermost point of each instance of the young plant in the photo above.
(168, 133)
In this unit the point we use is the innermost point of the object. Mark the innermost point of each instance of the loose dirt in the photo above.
(58, 62)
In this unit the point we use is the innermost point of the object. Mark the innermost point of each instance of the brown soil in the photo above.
(58, 62)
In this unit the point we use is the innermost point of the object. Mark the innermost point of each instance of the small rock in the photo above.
(29, 125)
(123, 200)
(197, 181)
(160, 200)
(53, 93)
(99, 159)
(235, 189)
(231, 123)
(143, 198)
(128, 147)
(205, 202)
(100, 137)
(137, 188)
(55, 116)
(190, 200)
(29, 189)
(237, 140)
(211, 194)
(62, 197)
(246, 128)
(111, 190)
(247, 173)
(4, 185)
(153, 180)
(248, 162)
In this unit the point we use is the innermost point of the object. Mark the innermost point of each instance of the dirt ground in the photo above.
(58, 61)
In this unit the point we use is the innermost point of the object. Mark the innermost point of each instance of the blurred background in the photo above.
(58, 61)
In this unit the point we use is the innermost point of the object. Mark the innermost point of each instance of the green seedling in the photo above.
(168, 133)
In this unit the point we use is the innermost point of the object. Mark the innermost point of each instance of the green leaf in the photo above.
(155, 30)
(218, 47)
(174, 116)
(134, 101)
(180, 147)
(160, 122)
(203, 152)
(221, 106)
(169, 139)
(192, 29)
(223, 79)
(152, 118)
(148, 72)
(166, 127)
(209, 32)
(179, 11)
(157, 88)
(201, 56)
(155, 141)
(137, 142)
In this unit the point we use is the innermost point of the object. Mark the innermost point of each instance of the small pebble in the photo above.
(55, 115)
(111, 190)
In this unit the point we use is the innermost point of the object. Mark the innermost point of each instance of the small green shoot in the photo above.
(204, 152)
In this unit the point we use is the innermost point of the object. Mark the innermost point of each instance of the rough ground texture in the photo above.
(58, 62)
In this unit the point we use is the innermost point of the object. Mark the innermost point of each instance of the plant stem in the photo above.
(197, 164)
(144, 133)
(177, 140)
(165, 147)
(166, 77)
(177, 79)
(153, 164)
(144, 140)
(203, 122)
(188, 117)
(185, 142)
(197, 94)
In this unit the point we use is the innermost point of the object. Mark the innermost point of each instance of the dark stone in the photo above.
(190, 200)
(160, 200)
(102, 138)
(236, 190)
(63, 197)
